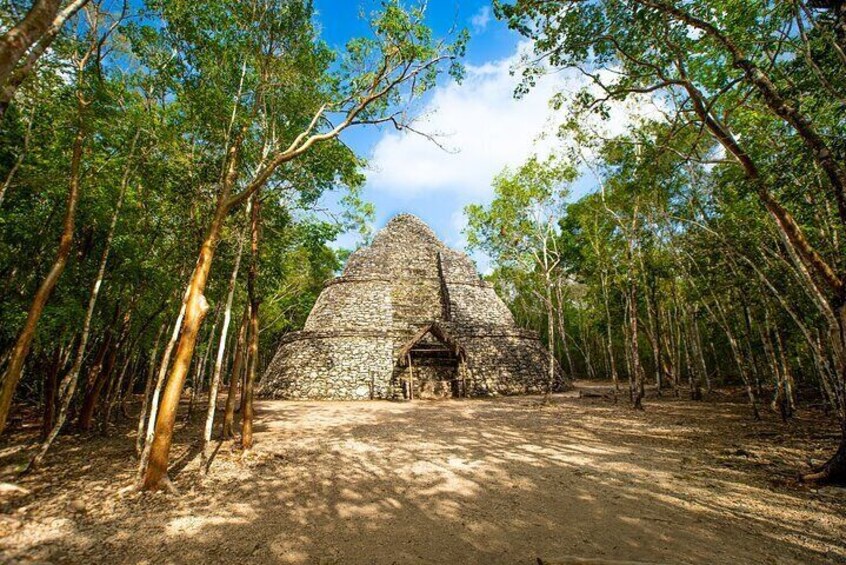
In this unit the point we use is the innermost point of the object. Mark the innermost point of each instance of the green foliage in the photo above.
(523, 214)
(172, 86)
(677, 222)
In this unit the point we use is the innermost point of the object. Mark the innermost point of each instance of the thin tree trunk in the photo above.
(20, 74)
(610, 336)
(717, 372)
(115, 394)
(89, 403)
(738, 359)
(694, 381)
(655, 322)
(637, 369)
(562, 332)
(16, 42)
(235, 378)
(91, 399)
(148, 386)
(200, 373)
(154, 401)
(196, 308)
(70, 380)
(789, 383)
(701, 355)
(51, 394)
(627, 341)
(45, 290)
(252, 363)
(550, 328)
(218, 364)
(638, 392)
(750, 351)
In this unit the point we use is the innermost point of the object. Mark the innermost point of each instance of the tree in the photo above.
(89, 53)
(377, 78)
(519, 229)
(736, 73)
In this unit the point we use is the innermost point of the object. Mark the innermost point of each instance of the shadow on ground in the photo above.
(488, 481)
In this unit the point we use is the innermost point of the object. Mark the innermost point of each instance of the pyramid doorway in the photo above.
(431, 365)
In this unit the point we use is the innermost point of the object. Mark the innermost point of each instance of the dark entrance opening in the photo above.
(432, 365)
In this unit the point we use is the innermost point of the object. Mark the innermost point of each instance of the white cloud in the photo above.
(480, 123)
(481, 19)
(485, 129)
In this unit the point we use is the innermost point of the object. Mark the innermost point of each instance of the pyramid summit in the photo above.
(408, 318)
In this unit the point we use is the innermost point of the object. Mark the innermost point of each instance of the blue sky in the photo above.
(480, 122)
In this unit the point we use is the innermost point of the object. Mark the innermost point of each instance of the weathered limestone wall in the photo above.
(476, 306)
(336, 366)
(404, 281)
(406, 247)
(351, 304)
(506, 365)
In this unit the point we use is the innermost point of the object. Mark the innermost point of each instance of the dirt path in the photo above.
(488, 481)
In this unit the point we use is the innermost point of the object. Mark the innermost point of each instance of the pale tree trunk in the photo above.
(550, 328)
(20, 74)
(627, 342)
(200, 372)
(160, 380)
(718, 314)
(255, 301)
(154, 401)
(585, 336)
(148, 386)
(653, 313)
(48, 284)
(694, 380)
(780, 403)
(637, 392)
(562, 331)
(16, 42)
(701, 355)
(717, 373)
(610, 336)
(757, 371)
(637, 370)
(235, 377)
(738, 356)
(789, 383)
(218, 364)
(196, 308)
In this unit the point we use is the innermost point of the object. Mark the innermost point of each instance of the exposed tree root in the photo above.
(832, 471)
(164, 484)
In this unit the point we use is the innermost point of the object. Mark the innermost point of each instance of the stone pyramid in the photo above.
(408, 318)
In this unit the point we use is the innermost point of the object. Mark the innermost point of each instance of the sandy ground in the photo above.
(474, 481)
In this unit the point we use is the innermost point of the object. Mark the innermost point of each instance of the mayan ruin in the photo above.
(404, 282)
(407, 309)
